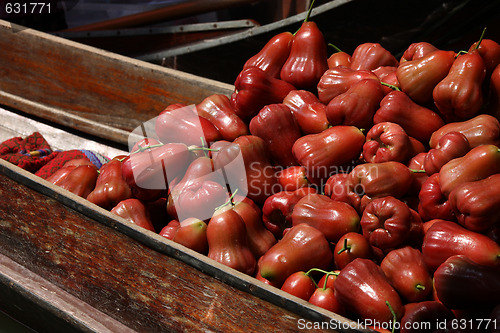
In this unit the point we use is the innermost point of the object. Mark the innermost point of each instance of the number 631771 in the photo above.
(27, 8)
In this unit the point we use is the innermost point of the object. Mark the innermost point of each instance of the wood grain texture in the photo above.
(121, 276)
(44, 307)
(82, 87)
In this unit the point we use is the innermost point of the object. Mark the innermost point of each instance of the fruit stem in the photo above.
(326, 278)
(229, 201)
(335, 47)
(204, 144)
(394, 317)
(460, 53)
(309, 11)
(316, 270)
(481, 38)
(345, 248)
(308, 273)
(205, 149)
(393, 87)
(141, 148)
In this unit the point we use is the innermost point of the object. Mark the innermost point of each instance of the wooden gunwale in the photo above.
(204, 282)
(91, 90)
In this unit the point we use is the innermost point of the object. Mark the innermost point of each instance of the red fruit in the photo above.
(299, 284)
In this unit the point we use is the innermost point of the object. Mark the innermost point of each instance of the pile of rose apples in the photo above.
(367, 185)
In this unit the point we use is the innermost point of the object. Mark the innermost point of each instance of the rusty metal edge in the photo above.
(252, 32)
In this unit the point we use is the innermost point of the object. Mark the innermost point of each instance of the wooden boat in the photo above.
(67, 265)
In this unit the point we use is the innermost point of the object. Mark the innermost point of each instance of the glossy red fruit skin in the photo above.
(369, 56)
(308, 58)
(483, 129)
(333, 218)
(61, 173)
(406, 271)
(417, 50)
(278, 208)
(260, 240)
(339, 58)
(148, 169)
(489, 50)
(350, 246)
(493, 104)
(255, 89)
(257, 174)
(416, 163)
(356, 106)
(133, 210)
(386, 223)
(325, 298)
(475, 204)
(419, 122)
(450, 146)
(293, 178)
(80, 179)
(387, 141)
(192, 233)
(299, 284)
(326, 153)
(200, 198)
(445, 239)
(307, 110)
(383, 179)
(331, 276)
(228, 241)
(352, 283)
(417, 78)
(277, 126)
(170, 229)
(431, 312)
(461, 273)
(110, 187)
(459, 96)
(338, 187)
(338, 80)
(273, 55)
(433, 204)
(218, 110)
(302, 247)
(479, 163)
(182, 124)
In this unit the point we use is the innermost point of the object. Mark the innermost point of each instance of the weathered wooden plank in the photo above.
(137, 277)
(45, 307)
(97, 92)
(14, 124)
